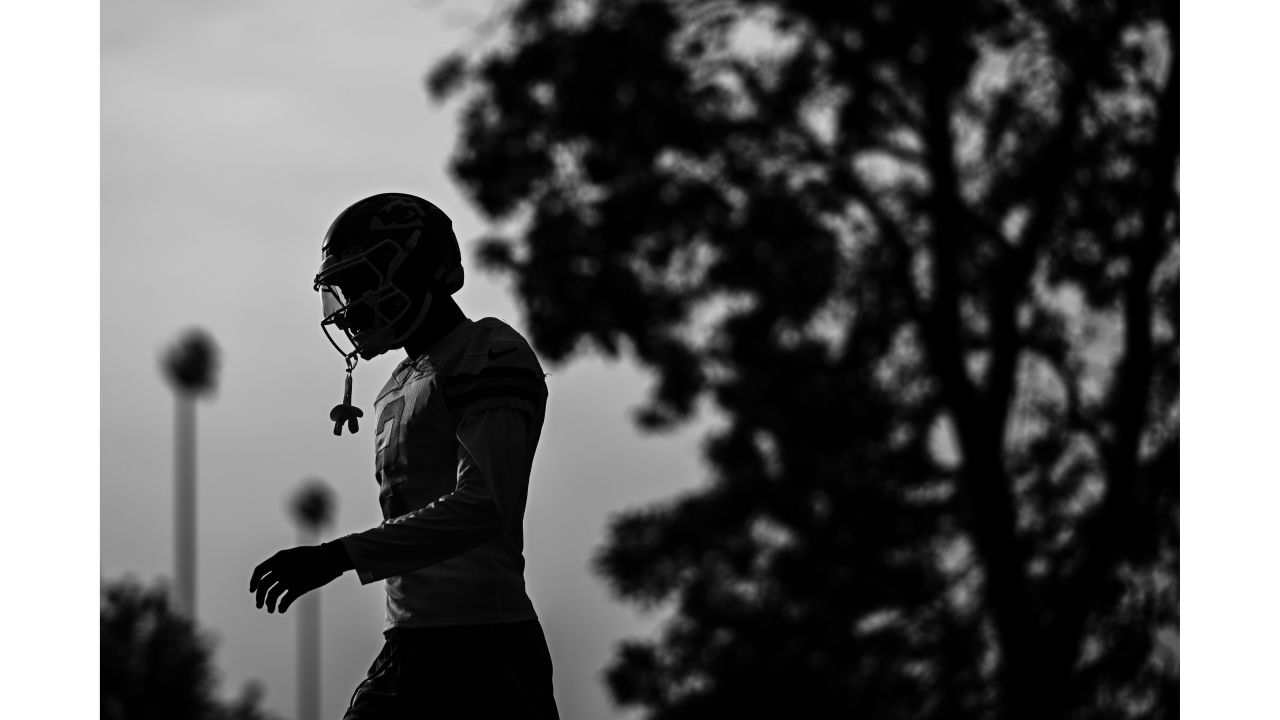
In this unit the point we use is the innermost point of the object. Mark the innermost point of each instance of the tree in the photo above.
(157, 664)
(923, 257)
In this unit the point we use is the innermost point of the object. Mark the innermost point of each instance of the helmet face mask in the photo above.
(364, 308)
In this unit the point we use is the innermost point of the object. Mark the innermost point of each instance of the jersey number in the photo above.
(389, 444)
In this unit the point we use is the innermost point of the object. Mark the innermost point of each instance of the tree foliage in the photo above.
(923, 259)
(157, 664)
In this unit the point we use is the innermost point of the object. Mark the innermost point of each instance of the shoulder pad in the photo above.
(496, 369)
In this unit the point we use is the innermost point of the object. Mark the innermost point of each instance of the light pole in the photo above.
(190, 365)
(312, 509)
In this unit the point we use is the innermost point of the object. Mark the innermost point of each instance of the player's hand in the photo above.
(290, 574)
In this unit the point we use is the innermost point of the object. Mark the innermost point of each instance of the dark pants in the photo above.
(469, 671)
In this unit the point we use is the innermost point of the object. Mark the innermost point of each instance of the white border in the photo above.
(49, 360)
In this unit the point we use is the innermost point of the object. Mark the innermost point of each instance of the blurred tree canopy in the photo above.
(923, 259)
(157, 664)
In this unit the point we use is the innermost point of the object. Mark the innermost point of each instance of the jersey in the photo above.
(456, 430)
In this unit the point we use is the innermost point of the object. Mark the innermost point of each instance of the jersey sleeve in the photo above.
(501, 371)
(495, 456)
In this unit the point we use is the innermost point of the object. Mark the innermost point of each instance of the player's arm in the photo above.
(495, 454)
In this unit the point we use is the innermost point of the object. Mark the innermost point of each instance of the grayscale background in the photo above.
(232, 133)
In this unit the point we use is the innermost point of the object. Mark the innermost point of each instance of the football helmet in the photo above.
(382, 262)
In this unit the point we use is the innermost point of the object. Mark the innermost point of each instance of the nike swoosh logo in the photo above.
(495, 355)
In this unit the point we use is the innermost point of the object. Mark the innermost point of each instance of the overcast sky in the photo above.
(232, 133)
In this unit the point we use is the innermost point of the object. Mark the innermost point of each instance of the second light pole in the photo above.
(312, 509)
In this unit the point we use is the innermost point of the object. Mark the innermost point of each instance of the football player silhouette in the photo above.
(456, 427)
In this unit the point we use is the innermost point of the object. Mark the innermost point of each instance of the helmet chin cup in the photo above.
(371, 344)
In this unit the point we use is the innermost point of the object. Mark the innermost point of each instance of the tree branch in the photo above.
(1107, 533)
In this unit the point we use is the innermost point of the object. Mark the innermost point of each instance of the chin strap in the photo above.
(346, 412)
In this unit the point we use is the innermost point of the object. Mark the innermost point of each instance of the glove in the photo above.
(290, 574)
